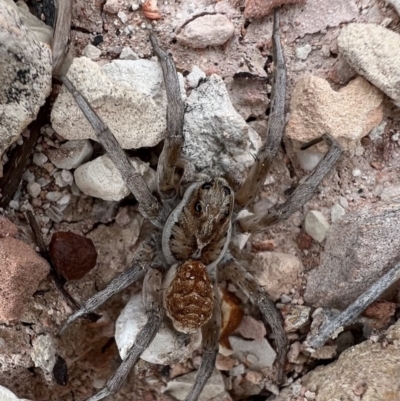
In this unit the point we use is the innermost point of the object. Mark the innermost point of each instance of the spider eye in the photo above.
(227, 191)
(197, 206)
(207, 185)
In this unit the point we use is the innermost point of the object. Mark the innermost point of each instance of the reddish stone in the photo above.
(73, 255)
(21, 271)
(7, 229)
(382, 311)
(304, 241)
(267, 245)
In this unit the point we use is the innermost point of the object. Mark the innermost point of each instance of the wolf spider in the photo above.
(194, 220)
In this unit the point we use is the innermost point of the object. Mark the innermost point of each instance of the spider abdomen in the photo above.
(189, 296)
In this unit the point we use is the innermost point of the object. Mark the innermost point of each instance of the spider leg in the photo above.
(141, 264)
(175, 114)
(276, 125)
(301, 195)
(211, 331)
(237, 274)
(152, 299)
(149, 206)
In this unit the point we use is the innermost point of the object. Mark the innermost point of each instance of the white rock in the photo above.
(134, 118)
(128, 54)
(64, 178)
(25, 73)
(343, 202)
(208, 30)
(64, 200)
(143, 76)
(53, 196)
(217, 138)
(134, 6)
(179, 387)
(195, 76)
(302, 52)
(308, 159)
(264, 354)
(33, 189)
(168, 346)
(337, 212)
(71, 154)
(44, 352)
(28, 176)
(122, 16)
(390, 193)
(316, 225)
(356, 172)
(374, 52)
(101, 179)
(91, 52)
(7, 395)
(39, 159)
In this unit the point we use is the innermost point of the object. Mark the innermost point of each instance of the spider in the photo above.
(194, 220)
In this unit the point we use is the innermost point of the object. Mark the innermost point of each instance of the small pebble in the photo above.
(343, 202)
(64, 200)
(28, 176)
(122, 16)
(237, 370)
(302, 52)
(14, 205)
(316, 225)
(337, 212)
(134, 6)
(53, 196)
(128, 54)
(34, 189)
(395, 137)
(356, 172)
(39, 159)
(43, 182)
(92, 52)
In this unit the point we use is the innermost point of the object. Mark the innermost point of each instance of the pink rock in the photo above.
(261, 8)
(21, 271)
(251, 328)
(7, 229)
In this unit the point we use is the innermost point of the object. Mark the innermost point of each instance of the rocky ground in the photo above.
(343, 61)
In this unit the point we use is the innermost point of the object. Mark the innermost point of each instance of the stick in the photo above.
(356, 308)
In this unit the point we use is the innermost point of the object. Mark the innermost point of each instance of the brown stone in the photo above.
(7, 228)
(21, 270)
(73, 255)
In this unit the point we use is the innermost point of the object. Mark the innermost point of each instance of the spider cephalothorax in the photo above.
(196, 234)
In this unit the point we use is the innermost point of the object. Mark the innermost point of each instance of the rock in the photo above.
(54, 213)
(53, 196)
(217, 139)
(7, 228)
(71, 154)
(25, 74)
(295, 317)
(113, 6)
(73, 255)
(382, 311)
(276, 272)
(261, 8)
(390, 193)
(256, 355)
(224, 362)
(179, 388)
(101, 179)
(123, 17)
(208, 30)
(168, 346)
(374, 52)
(150, 10)
(302, 52)
(143, 76)
(316, 225)
(337, 212)
(237, 370)
(91, 52)
(128, 54)
(44, 352)
(348, 115)
(369, 367)
(195, 76)
(143, 126)
(39, 159)
(21, 271)
(251, 328)
(86, 15)
(359, 249)
(28, 176)
(249, 95)
(33, 189)
(64, 178)
(7, 395)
